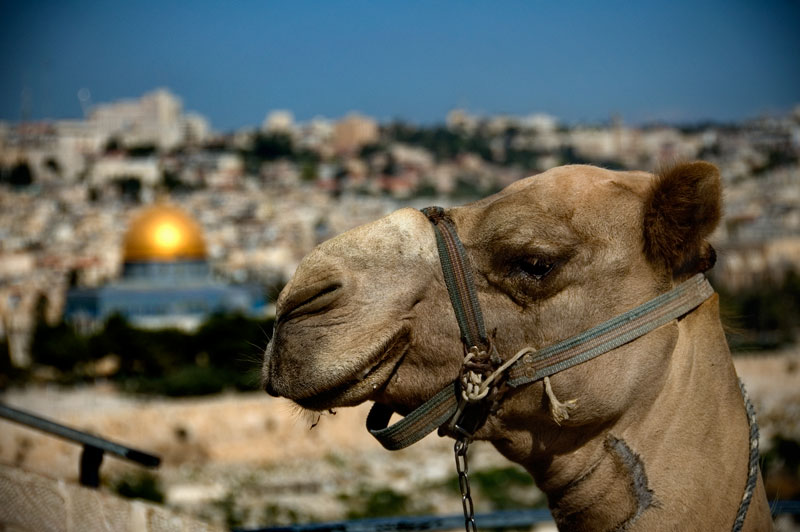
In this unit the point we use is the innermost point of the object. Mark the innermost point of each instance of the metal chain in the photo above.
(462, 467)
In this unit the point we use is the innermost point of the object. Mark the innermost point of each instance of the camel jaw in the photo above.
(349, 388)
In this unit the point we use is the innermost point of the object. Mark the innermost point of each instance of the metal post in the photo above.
(91, 458)
(93, 446)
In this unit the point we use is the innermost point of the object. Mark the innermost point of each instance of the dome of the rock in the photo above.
(166, 280)
(163, 233)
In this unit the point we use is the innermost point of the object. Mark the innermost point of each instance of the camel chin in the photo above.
(371, 381)
(328, 388)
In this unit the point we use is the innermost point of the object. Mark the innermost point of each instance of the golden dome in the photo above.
(163, 232)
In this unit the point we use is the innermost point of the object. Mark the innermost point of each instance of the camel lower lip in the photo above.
(356, 391)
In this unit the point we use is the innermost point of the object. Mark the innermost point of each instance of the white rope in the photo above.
(559, 410)
(474, 387)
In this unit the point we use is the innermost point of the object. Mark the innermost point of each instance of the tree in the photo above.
(21, 175)
(59, 346)
(308, 172)
(271, 146)
(142, 150)
(52, 164)
(113, 144)
(130, 187)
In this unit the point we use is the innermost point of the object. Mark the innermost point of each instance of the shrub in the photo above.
(139, 485)
(59, 346)
(764, 316)
(382, 502)
(505, 488)
(224, 353)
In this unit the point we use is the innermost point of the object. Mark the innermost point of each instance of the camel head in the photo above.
(657, 436)
(367, 315)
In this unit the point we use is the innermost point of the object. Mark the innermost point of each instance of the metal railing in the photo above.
(492, 520)
(94, 447)
(499, 519)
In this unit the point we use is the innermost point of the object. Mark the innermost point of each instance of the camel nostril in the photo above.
(310, 299)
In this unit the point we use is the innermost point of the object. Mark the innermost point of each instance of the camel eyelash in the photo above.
(537, 268)
(531, 269)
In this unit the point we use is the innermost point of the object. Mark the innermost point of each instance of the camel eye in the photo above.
(536, 267)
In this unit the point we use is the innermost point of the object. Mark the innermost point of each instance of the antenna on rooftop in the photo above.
(26, 104)
(85, 99)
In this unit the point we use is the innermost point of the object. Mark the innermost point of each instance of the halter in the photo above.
(452, 407)
(463, 406)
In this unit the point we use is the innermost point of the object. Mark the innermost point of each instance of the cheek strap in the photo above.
(447, 406)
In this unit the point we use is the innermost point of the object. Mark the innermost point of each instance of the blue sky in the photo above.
(578, 60)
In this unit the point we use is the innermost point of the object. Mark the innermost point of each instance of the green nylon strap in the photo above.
(458, 279)
(434, 413)
(612, 333)
(558, 357)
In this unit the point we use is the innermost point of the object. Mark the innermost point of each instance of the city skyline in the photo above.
(680, 62)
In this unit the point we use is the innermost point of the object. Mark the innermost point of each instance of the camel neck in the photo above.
(694, 439)
(682, 460)
(618, 505)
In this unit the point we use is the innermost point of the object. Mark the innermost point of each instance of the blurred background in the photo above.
(164, 166)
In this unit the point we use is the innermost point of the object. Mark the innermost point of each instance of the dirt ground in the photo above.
(250, 460)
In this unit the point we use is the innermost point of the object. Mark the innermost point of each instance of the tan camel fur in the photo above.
(657, 438)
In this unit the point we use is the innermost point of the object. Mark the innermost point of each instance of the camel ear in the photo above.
(683, 207)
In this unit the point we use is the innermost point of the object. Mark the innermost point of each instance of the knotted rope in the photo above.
(752, 466)
(476, 379)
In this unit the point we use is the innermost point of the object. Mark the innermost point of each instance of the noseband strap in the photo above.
(447, 406)
(458, 278)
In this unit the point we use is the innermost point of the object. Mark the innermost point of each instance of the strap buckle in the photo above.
(468, 417)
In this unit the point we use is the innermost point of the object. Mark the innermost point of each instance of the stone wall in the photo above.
(34, 503)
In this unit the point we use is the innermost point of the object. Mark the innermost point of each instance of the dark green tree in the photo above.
(20, 175)
(271, 146)
(142, 150)
(130, 188)
(59, 346)
(52, 164)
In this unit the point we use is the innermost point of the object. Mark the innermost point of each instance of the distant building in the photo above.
(116, 166)
(461, 119)
(166, 280)
(278, 121)
(316, 135)
(353, 132)
(156, 118)
(540, 122)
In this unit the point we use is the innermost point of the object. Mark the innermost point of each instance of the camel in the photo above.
(652, 435)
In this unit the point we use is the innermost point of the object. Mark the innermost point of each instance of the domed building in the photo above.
(166, 280)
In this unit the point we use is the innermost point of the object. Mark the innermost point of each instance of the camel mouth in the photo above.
(369, 381)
